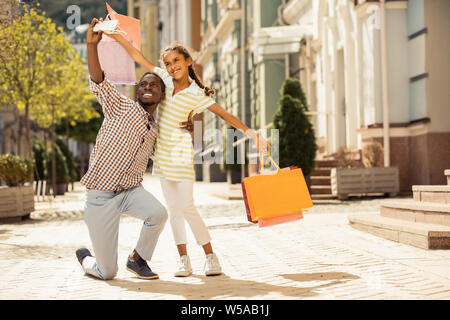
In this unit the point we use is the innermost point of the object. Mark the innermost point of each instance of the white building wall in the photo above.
(398, 78)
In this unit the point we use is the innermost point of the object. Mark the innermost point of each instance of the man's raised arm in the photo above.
(92, 39)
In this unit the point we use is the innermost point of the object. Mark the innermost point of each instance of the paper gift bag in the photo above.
(115, 61)
(129, 25)
(117, 64)
(277, 197)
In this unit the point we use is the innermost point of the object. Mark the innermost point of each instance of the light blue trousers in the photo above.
(102, 215)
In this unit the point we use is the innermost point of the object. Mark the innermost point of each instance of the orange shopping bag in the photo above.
(129, 25)
(276, 197)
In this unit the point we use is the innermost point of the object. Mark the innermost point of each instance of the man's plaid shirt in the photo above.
(124, 142)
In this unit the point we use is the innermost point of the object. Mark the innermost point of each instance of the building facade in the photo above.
(378, 70)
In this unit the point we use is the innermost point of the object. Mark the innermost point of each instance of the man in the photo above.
(118, 161)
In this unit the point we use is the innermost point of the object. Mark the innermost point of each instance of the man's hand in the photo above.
(189, 124)
(91, 36)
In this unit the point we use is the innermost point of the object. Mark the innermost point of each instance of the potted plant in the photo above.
(72, 171)
(368, 177)
(17, 197)
(297, 146)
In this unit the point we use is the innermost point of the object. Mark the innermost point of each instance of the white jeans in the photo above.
(179, 197)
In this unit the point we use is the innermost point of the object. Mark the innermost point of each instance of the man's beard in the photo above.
(148, 106)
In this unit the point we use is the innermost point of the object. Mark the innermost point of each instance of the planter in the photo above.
(61, 188)
(357, 181)
(16, 202)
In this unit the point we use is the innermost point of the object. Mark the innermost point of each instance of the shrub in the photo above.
(39, 154)
(62, 173)
(373, 154)
(235, 166)
(15, 170)
(297, 144)
(69, 160)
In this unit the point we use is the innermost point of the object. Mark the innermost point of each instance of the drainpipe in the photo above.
(386, 142)
(282, 22)
(243, 115)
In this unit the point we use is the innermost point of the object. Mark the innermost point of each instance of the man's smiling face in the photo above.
(150, 90)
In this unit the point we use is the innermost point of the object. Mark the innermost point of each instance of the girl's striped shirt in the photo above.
(174, 154)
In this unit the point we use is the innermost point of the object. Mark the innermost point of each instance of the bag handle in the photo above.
(261, 162)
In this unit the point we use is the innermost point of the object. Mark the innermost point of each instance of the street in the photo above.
(318, 257)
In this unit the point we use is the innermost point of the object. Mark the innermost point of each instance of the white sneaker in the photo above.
(184, 268)
(212, 265)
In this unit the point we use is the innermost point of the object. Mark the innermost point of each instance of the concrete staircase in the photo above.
(423, 221)
(321, 179)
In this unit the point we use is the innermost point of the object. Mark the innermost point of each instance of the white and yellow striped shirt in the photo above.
(174, 154)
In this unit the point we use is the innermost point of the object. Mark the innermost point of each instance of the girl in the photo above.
(174, 152)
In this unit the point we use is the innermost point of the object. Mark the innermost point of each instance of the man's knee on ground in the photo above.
(109, 274)
(158, 217)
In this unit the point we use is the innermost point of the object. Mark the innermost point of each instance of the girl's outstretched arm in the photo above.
(236, 123)
(134, 53)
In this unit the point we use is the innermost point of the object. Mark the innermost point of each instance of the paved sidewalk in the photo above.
(319, 257)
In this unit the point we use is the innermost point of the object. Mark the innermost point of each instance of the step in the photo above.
(421, 235)
(322, 196)
(326, 163)
(321, 172)
(447, 174)
(436, 194)
(413, 211)
(320, 189)
(320, 181)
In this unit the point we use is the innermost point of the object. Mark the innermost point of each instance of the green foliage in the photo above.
(62, 172)
(15, 170)
(41, 72)
(235, 166)
(39, 154)
(297, 144)
(69, 160)
(83, 131)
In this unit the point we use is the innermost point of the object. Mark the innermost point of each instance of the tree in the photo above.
(27, 46)
(83, 131)
(43, 74)
(297, 144)
(68, 98)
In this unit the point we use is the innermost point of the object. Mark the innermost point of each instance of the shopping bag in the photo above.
(276, 197)
(130, 26)
(115, 61)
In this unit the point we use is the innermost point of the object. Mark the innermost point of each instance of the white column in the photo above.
(384, 75)
(359, 80)
(350, 77)
(328, 89)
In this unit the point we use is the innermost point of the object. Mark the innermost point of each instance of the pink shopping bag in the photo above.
(117, 64)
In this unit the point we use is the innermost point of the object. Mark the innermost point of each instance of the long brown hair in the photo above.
(185, 52)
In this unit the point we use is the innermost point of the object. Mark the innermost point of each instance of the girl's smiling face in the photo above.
(176, 64)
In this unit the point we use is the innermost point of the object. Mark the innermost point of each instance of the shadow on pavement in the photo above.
(225, 287)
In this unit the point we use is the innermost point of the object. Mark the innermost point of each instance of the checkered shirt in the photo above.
(124, 142)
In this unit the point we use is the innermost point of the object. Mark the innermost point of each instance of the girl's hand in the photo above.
(261, 144)
(91, 36)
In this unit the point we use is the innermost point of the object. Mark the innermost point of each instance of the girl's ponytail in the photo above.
(208, 91)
